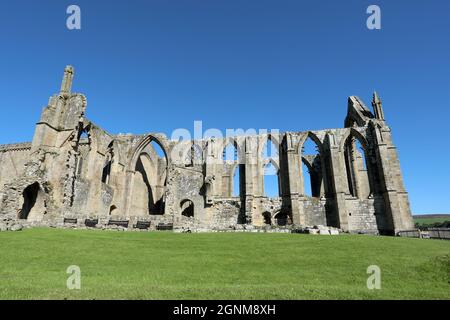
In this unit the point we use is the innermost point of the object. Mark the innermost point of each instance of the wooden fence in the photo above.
(431, 233)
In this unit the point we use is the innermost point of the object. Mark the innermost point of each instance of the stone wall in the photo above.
(75, 170)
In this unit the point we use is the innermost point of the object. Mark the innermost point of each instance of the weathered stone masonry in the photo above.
(73, 170)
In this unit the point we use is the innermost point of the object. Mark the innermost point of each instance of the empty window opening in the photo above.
(271, 150)
(233, 177)
(84, 137)
(271, 181)
(307, 179)
(230, 152)
(194, 156)
(358, 178)
(106, 172)
(237, 181)
(311, 168)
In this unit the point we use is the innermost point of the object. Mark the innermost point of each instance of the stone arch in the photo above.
(355, 133)
(282, 218)
(144, 143)
(265, 177)
(273, 139)
(314, 177)
(267, 216)
(112, 210)
(34, 204)
(272, 162)
(357, 165)
(314, 138)
(187, 208)
(271, 153)
(150, 183)
(148, 177)
(88, 131)
(239, 149)
(193, 155)
(232, 157)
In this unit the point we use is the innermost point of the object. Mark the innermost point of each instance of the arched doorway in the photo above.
(149, 179)
(267, 218)
(187, 208)
(112, 210)
(282, 218)
(33, 207)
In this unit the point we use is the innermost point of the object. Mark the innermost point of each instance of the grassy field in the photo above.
(164, 265)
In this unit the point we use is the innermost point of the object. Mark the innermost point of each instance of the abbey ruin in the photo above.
(74, 172)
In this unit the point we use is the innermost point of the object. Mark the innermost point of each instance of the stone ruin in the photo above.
(74, 173)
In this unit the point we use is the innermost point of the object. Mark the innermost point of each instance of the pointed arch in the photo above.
(270, 154)
(233, 150)
(282, 218)
(355, 133)
(312, 166)
(271, 179)
(270, 148)
(310, 136)
(148, 139)
(187, 208)
(233, 176)
(357, 167)
(230, 152)
(194, 155)
(149, 176)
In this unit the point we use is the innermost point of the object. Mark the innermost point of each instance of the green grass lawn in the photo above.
(165, 265)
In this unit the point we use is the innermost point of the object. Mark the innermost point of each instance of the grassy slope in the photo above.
(129, 265)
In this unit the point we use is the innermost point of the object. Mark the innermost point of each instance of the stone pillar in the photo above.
(66, 84)
(398, 212)
(338, 176)
(250, 166)
(128, 194)
(295, 176)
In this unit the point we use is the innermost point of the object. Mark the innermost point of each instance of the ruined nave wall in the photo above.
(12, 161)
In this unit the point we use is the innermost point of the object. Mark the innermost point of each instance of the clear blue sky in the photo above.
(153, 66)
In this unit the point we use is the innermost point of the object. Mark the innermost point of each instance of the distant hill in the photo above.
(441, 215)
(431, 220)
